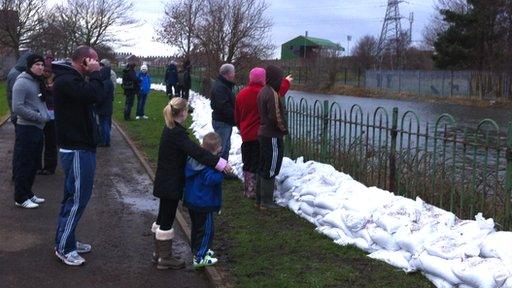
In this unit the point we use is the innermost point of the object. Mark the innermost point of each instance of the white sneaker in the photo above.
(37, 200)
(83, 247)
(145, 117)
(206, 261)
(72, 258)
(137, 117)
(28, 204)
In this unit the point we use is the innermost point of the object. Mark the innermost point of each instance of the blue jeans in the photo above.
(26, 160)
(224, 130)
(79, 167)
(105, 126)
(141, 103)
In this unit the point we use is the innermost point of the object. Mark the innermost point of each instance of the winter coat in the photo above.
(187, 80)
(247, 115)
(27, 103)
(76, 121)
(171, 75)
(105, 107)
(145, 82)
(175, 146)
(222, 101)
(203, 187)
(15, 71)
(130, 80)
(272, 114)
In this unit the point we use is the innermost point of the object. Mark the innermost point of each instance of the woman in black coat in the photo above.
(175, 147)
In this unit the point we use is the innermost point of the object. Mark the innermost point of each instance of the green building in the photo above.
(308, 47)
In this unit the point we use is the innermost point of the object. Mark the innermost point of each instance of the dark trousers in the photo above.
(271, 156)
(185, 92)
(50, 147)
(79, 167)
(166, 213)
(28, 148)
(169, 90)
(202, 232)
(141, 103)
(105, 126)
(130, 97)
(251, 156)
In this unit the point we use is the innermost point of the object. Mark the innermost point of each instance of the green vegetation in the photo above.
(4, 108)
(272, 249)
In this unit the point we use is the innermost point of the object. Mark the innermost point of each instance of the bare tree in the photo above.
(436, 24)
(91, 22)
(364, 52)
(20, 19)
(178, 27)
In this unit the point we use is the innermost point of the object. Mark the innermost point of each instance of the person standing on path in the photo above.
(171, 80)
(77, 87)
(15, 71)
(28, 104)
(175, 146)
(273, 128)
(50, 139)
(203, 197)
(131, 87)
(247, 119)
(187, 80)
(223, 106)
(145, 86)
(105, 108)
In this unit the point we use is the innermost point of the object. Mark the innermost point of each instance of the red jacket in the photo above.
(247, 117)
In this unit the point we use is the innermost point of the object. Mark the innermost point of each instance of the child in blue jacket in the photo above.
(145, 86)
(203, 197)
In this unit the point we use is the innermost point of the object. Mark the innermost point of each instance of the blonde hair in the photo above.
(211, 142)
(173, 109)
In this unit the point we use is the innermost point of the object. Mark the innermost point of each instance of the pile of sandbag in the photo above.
(409, 234)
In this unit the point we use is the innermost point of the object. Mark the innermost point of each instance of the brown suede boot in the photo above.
(154, 257)
(250, 185)
(164, 250)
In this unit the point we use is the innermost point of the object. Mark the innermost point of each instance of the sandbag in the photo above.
(497, 245)
(481, 272)
(399, 259)
(330, 201)
(333, 219)
(305, 209)
(450, 247)
(333, 233)
(382, 238)
(438, 282)
(438, 267)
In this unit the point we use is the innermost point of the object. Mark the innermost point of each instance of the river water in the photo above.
(466, 116)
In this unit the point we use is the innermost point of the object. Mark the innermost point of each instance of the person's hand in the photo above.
(228, 169)
(289, 78)
(91, 65)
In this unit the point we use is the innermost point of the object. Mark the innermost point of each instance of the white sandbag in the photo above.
(308, 199)
(363, 234)
(333, 219)
(333, 233)
(389, 223)
(508, 283)
(305, 209)
(481, 272)
(399, 259)
(497, 245)
(294, 206)
(322, 212)
(474, 230)
(438, 282)
(330, 201)
(412, 241)
(438, 267)
(362, 244)
(450, 247)
(354, 221)
(290, 183)
(382, 238)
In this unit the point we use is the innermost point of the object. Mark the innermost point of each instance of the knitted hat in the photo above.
(274, 77)
(144, 67)
(105, 62)
(33, 59)
(257, 76)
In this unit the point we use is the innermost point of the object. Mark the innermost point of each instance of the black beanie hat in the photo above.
(274, 77)
(32, 59)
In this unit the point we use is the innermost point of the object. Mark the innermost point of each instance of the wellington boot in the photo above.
(267, 194)
(250, 185)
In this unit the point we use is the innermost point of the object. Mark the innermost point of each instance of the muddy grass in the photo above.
(272, 249)
(4, 108)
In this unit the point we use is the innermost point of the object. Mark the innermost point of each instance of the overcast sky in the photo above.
(329, 19)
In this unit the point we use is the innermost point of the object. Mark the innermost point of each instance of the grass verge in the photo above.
(4, 108)
(271, 249)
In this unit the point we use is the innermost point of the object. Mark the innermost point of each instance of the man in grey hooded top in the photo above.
(15, 71)
(28, 103)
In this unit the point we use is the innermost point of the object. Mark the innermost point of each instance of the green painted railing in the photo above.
(462, 170)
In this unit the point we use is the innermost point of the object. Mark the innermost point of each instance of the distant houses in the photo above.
(305, 47)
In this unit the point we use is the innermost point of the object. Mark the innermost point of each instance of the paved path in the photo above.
(116, 223)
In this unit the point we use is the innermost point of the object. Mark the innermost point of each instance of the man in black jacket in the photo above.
(131, 87)
(223, 106)
(77, 87)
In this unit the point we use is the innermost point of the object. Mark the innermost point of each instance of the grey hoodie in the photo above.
(26, 102)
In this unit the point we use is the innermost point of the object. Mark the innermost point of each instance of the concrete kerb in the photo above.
(4, 119)
(215, 277)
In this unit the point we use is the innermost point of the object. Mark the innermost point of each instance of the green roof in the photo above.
(312, 41)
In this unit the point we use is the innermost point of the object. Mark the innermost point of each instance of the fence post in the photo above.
(359, 77)
(508, 180)
(392, 154)
(346, 76)
(451, 84)
(325, 129)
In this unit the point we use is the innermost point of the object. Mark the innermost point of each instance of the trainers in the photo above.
(206, 261)
(145, 117)
(28, 204)
(72, 258)
(83, 247)
(37, 200)
(137, 117)
(210, 253)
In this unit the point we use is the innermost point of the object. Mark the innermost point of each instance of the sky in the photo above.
(329, 19)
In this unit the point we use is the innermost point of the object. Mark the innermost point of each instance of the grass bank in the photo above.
(271, 249)
(4, 107)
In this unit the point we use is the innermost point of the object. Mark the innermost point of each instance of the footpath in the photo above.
(116, 222)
